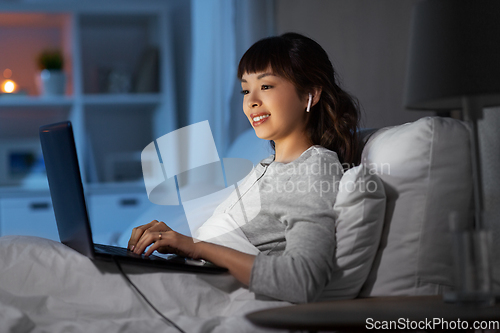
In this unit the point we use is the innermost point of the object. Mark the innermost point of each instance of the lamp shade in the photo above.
(454, 52)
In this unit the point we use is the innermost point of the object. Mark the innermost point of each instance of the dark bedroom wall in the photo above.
(367, 41)
(180, 15)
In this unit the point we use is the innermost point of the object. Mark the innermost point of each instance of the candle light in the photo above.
(8, 86)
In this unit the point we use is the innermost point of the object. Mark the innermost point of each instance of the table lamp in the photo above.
(454, 63)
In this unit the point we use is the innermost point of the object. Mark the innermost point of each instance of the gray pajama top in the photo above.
(286, 211)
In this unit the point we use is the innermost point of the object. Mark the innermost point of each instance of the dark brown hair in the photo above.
(333, 121)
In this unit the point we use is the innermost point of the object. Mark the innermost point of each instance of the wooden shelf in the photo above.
(23, 192)
(112, 188)
(117, 99)
(35, 101)
(92, 99)
(96, 39)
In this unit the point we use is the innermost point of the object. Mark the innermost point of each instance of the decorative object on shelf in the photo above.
(147, 74)
(119, 82)
(453, 64)
(51, 80)
(9, 87)
(113, 78)
(123, 167)
(21, 163)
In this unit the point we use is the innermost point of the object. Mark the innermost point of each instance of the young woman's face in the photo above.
(273, 106)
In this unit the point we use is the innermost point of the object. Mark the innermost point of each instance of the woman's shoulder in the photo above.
(314, 158)
(266, 161)
(319, 161)
(319, 153)
(313, 152)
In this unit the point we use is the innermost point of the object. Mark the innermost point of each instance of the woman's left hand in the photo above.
(167, 242)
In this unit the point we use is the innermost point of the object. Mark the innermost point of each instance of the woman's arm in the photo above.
(238, 263)
(302, 271)
(165, 240)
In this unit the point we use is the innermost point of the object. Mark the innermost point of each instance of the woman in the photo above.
(292, 99)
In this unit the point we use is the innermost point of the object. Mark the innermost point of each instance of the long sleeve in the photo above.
(295, 227)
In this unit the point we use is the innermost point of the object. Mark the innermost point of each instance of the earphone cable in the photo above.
(144, 297)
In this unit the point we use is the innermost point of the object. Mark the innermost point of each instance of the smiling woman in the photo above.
(295, 61)
(284, 207)
(286, 125)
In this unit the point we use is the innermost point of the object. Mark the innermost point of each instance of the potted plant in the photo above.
(51, 79)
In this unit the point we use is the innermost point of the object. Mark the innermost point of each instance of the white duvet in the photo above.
(47, 287)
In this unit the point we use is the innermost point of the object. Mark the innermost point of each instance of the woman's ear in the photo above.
(316, 94)
(313, 98)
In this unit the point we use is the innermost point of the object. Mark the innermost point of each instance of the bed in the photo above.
(389, 241)
(47, 287)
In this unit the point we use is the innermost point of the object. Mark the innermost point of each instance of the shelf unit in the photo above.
(119, 97)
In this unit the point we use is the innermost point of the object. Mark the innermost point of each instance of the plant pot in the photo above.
(51, 82)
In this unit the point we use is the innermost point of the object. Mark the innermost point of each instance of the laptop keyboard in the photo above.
(116, 251)
(123, 252)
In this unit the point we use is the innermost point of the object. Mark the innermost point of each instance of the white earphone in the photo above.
(309, 103)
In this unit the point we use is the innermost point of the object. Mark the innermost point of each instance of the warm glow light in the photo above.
(8, 86)
(7, 73)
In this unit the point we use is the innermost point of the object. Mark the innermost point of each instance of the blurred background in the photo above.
(127, 72)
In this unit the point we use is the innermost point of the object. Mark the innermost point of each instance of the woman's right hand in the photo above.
(138, 232)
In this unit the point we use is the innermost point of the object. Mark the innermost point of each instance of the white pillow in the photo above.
(426, 171)
(359, 211)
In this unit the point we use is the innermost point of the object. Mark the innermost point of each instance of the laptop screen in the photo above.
(66, 189)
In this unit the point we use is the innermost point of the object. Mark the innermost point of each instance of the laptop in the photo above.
(70, 209)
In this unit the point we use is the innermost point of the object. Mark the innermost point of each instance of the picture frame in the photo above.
(20, 160)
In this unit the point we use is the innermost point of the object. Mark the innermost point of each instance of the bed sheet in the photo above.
(47, 287)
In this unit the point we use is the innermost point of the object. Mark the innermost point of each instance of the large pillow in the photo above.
(426, 171)
(359, 214)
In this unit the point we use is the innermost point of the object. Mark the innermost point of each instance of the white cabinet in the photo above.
(120, 95)
(111, 214)
(32, 216)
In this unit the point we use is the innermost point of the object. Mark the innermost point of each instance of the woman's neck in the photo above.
(288, 150)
